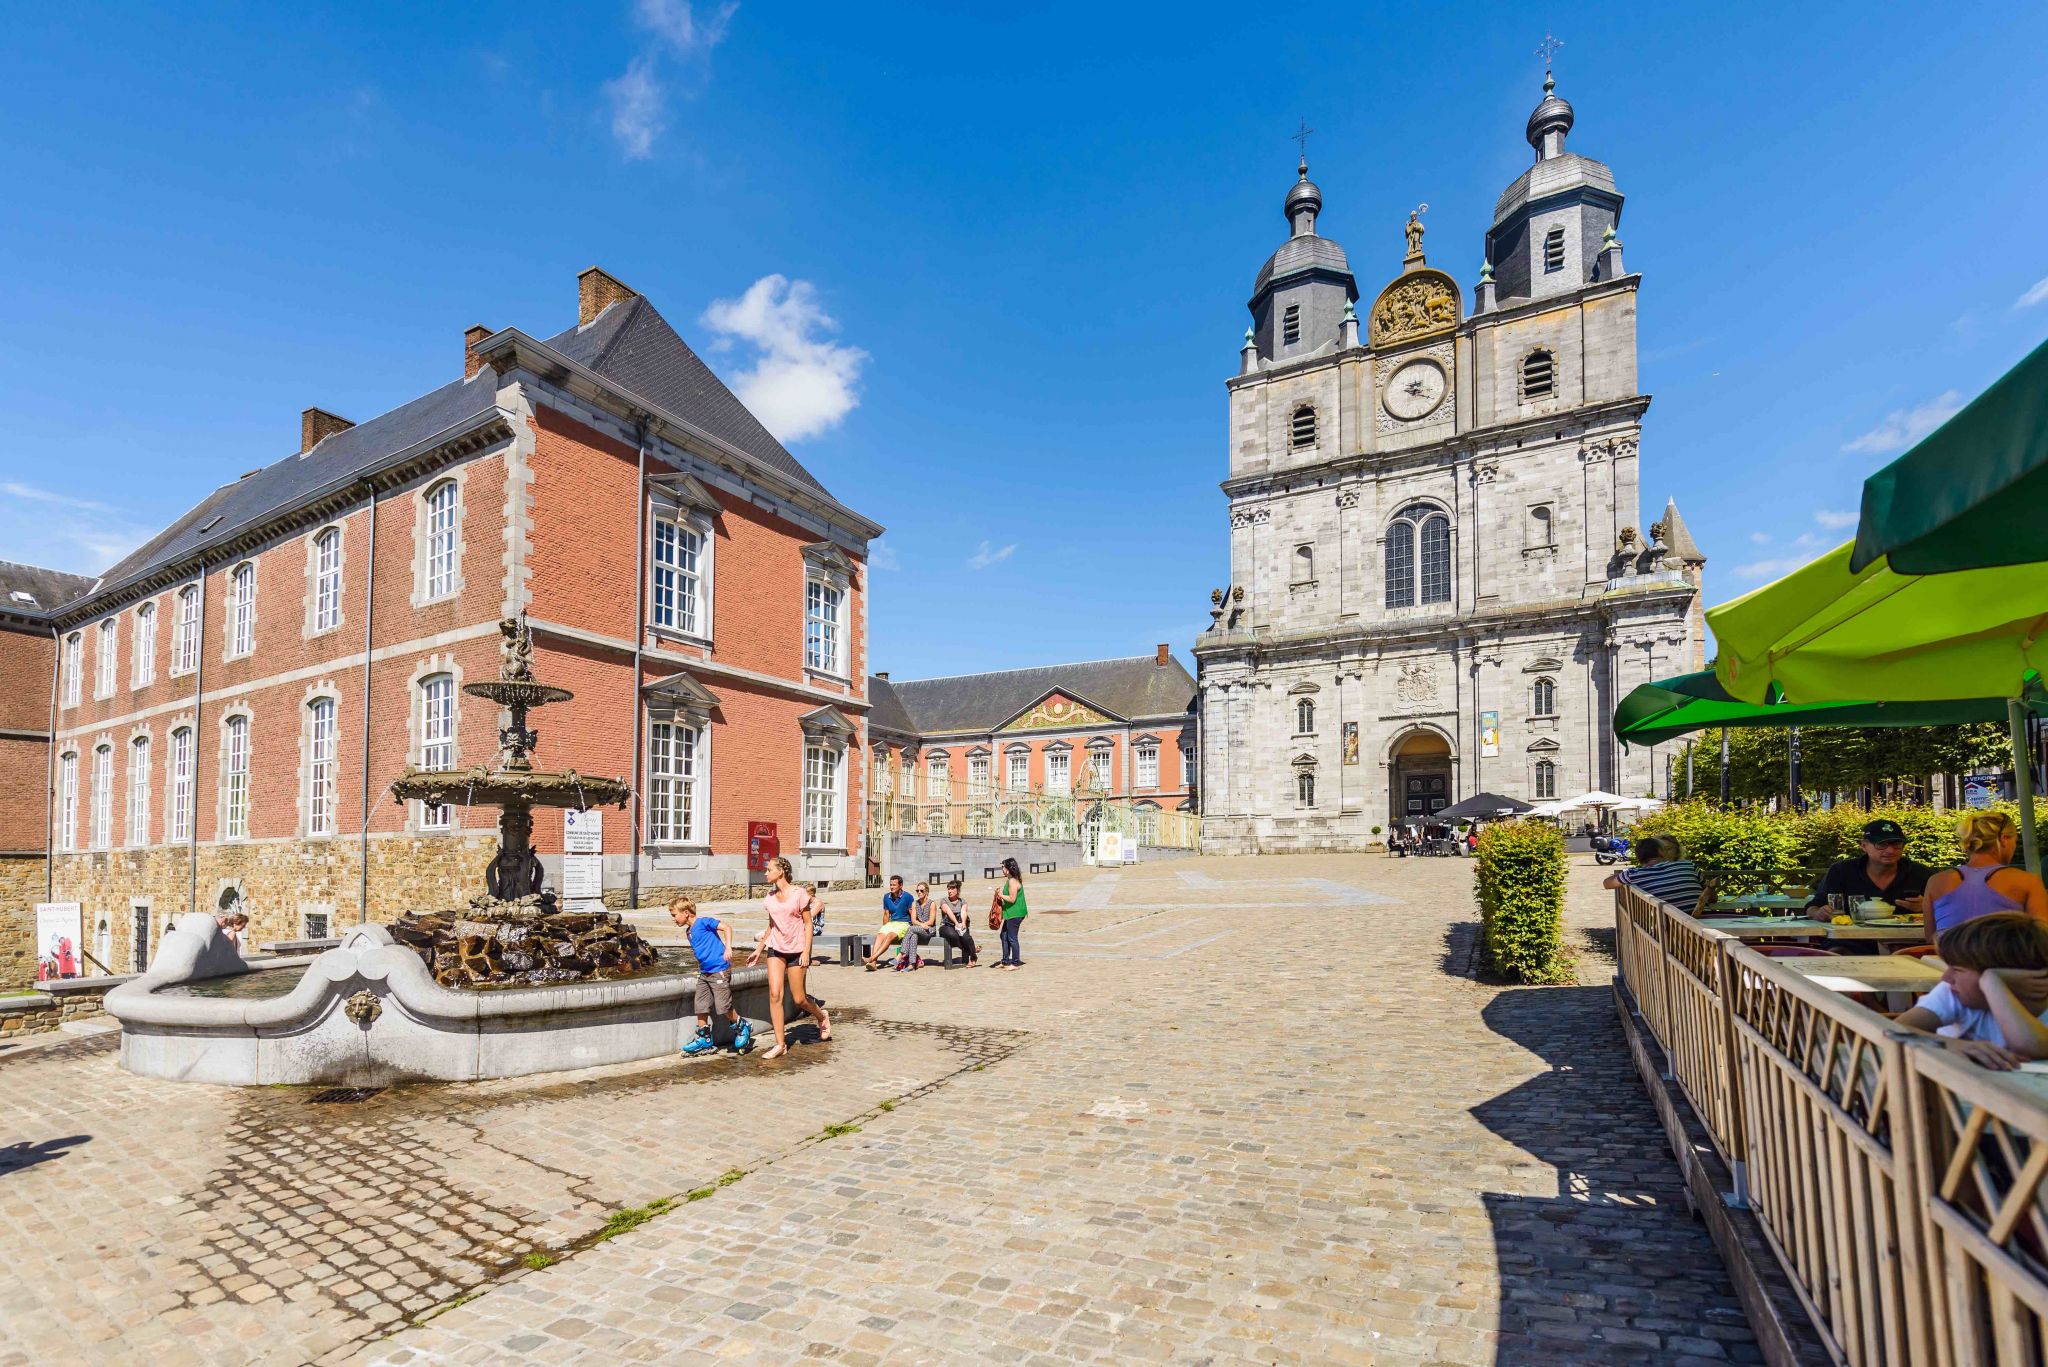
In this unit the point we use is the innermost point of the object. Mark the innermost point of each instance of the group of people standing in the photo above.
(911, 922)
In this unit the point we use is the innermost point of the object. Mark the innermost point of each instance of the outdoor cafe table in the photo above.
(1866, 973)
(1769, 927)
(1899, 932)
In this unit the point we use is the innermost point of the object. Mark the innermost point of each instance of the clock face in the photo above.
(1415, 390)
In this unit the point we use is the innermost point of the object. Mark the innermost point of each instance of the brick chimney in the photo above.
(882, 674)
(316, 424)
(470, 364)
(596, 292)
(1163, 657)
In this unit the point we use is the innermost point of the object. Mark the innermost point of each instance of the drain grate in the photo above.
(343, 1096)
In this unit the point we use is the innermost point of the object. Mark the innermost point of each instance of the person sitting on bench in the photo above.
(953, 924)
(896, 911)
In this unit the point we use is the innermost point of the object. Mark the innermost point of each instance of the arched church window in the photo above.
(1304, 717)
(1290, 325)
(1553, 250)
(1436, 559)
(1400, 564)
(1539, 376)
(1546, 778)
(1305, 789)
(1543, 698)
(1433, 528)
(1303, 432)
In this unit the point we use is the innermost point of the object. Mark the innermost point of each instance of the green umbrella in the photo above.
(1970, 494)
(1825, 633)
(1657, 712)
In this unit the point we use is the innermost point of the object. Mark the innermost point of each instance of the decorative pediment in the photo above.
(1102, 743)
(977, 750)
(1018, 747)
(1304, 761)
(826, 558)
(1543, 745)
(1303, 687)
(1057, 710)
(1146, 739)
(687, 491)
(1058, 747)
(1420, 303)
(682, 692)
(1546, 665)
(827, 724)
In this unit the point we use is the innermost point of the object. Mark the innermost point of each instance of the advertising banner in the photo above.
(60, 934)
(1351, 742)
(1489, 733)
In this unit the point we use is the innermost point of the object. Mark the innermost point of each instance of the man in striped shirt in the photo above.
(1661, 873)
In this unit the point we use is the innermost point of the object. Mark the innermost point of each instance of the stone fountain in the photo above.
(514, 932)
(508, 986)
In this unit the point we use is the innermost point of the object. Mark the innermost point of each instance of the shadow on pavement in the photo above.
(1460, 958)
(1611, 1266)
(17, 1157)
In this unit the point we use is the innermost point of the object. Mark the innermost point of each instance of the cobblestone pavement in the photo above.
(1233, 1110)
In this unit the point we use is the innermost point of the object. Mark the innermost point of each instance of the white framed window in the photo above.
(67, 801)
(1543, 698)
(178, 821)
(938, 777)
(1098, 769)
(1148, 825)
(439, 512)
(185, 631)
(1546, 778)
(979, 822)
(145, 646)
(977, 775)
(105, 648)
(327, 580)
(1019, 765)
(1304, 716)
(1187, 762)
(823, 605)
(241, 623)
(909, 777)
(885, 773)
(74, 662)
(102, 796)
(1147, 757)
(1059, 771)
(235, 779)
(674, 797)
(679, 599)
(320, 767)
(1017, 824)
(138, 791)
(437, 742)
(821, 796)
(935, 821)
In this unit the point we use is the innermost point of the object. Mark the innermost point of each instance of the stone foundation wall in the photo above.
(21, 887)
(38, 1013)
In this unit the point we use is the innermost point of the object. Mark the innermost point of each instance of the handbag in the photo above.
(995, 911)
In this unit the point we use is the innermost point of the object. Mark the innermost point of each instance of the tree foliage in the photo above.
(1837, 759)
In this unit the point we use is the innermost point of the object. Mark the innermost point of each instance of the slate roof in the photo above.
(47, 589)
(630, 344)
(885, 709)
(1135, 687)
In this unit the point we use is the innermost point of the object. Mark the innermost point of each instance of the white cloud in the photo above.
(1760, 538)
(639, 96)
(984, 557)
(882, 556)
(799, 384)
(2036, 295)
(1904, 426)
(42, 527)
(1773, 568)
(1834, 519)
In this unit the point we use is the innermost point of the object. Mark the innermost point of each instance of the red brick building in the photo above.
(233, 699)
(1040, 753)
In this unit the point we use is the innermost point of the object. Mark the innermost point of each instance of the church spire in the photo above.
(1552, 117)
(1304, 202)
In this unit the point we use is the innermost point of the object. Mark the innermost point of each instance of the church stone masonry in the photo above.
(1437, 582)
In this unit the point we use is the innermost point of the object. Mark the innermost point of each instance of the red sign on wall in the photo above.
(762, 845)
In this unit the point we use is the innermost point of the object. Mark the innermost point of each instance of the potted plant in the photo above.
(1376, 843)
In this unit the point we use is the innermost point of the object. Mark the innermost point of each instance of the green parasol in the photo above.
(1970, 494)
(1659, 711)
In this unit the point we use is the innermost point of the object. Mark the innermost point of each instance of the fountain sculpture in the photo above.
(513, 932)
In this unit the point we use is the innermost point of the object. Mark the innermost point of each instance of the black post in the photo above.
(1792, 766)
(1724, 768)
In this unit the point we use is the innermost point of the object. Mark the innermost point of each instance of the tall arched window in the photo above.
(1430, 526)
(145, 645)
(437, 741)
(1546, 779)
(327, 580)
(1553, 250)
(178, 821)
(102, 797)
(1543, 698)
(1017, 824)
(138, 791)
(320, 767)
(235, 780)
(440, 558)
(185, 631)
(1539, 375)
(1304, 716)
(241, 623)
(1305, 789)
(1303, 430)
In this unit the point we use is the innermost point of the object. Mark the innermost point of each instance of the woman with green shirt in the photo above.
(1011, 897)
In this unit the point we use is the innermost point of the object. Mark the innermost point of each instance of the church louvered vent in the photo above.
(1553, 250)
(1304, 430)
(1290, 325)
(1539, 376)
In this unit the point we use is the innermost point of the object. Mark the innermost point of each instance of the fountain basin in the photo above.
(367, 1013)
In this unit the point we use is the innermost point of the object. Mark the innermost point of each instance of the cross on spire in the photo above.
(1300, 135)
(1547, 50)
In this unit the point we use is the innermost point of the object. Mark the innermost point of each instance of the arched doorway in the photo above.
(1419, 770)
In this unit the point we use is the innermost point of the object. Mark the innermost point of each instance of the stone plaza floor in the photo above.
(1233, 1110)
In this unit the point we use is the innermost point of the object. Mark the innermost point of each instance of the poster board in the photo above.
(60, 935)
(1109, 848)
(582, 832)
(582, 878)
(1351, 742)
(1489, 734)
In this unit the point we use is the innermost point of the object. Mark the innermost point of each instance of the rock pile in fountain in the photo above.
(514, 933)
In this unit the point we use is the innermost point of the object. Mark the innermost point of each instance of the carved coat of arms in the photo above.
(1416, 684)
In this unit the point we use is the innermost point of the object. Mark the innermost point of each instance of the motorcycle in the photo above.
(1609, 849)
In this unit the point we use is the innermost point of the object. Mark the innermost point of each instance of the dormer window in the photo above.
(1290, 325)
(1302, 432)
(1539, 376)
(1553, 250)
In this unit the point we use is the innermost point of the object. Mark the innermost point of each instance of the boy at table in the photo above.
(1882, 871)
(1992, 999)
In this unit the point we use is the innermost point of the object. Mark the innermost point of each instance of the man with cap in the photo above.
(1881, 871)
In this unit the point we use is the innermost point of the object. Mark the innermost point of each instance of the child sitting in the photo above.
(1992, 1000)
(711, 942)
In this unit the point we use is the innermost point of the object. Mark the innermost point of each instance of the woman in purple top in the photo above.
(1985, 881)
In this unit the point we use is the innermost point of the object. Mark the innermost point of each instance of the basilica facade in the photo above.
(1440, 583)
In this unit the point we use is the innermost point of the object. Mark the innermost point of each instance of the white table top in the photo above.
(1914, 933)
(1866, 972)
(1768, 927)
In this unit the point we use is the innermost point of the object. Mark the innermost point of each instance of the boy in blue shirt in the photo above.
(711, 942)
(896, 909)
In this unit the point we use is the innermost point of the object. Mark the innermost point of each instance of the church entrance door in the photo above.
(1420, 773)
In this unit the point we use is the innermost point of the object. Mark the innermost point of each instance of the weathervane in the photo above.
(1300, 135)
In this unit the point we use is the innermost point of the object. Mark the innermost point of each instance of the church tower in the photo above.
(1438, 585)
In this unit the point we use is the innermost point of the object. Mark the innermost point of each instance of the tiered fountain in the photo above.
(512, 984)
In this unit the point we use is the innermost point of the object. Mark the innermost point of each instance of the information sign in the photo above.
(582, 877)
(582, 832)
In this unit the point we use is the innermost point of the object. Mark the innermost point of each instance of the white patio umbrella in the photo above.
(1597, 798)
(1548, 811)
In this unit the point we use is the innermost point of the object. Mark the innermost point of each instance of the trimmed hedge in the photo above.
(1520, 887)
(1759, 841)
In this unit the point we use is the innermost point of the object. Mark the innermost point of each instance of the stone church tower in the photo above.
(1438, 581)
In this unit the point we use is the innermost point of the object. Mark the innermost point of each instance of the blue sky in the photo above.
(985, 267)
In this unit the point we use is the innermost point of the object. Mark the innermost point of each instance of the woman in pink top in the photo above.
(788, 947)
